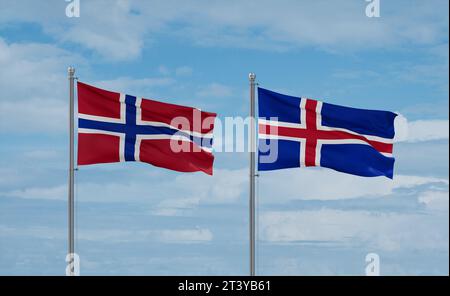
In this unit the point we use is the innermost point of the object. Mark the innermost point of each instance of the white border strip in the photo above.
(319, 145)
(122, 118)
(139, 139)
(303, 114)
(102, 132)
(324, 128)
(325, 142)
(302, 125)
(328, 128)
(139, 121)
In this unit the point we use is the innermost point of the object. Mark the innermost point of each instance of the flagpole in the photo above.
(252, 77)
(71, 73)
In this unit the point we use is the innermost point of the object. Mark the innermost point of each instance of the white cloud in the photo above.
(379, 231)
(215, 90)
(180, 195)
(111, 192)
(180, 236)
(428, 110)
(135, 86)
(300, 23)
(226, 186)
(401, 128)
(165, 196)
(420, 130)
(404, 181)
(435, 200)
(33, 87)
(323, 184)
(123, 28)
(185, 235)
(428, 130)
(33, 70)
(33, 231)
(175, 206)
(34, 98)
(42, 154)
(196, 235)
(106, 27)
(110, 28)
(9, 176)
(52, 193)
(183, 71)
(34, 115)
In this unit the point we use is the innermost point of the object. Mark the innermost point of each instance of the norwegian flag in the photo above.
(115, 127)
(301, 132)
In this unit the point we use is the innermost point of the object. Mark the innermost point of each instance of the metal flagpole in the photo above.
(71, 73)
(252, 77)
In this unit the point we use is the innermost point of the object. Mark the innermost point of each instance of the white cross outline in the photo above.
(121, 119)
(108, 133)
(140, 138)
(139, 121)
(319, 126)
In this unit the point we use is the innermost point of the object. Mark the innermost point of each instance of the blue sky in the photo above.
(137, 219)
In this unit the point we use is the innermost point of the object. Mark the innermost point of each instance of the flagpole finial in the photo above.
(71, 71)
(251, 76)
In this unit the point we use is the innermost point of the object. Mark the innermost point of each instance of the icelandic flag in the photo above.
(115, 127)
(301, 132)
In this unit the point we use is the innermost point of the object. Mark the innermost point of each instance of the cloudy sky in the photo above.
(137, 219)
